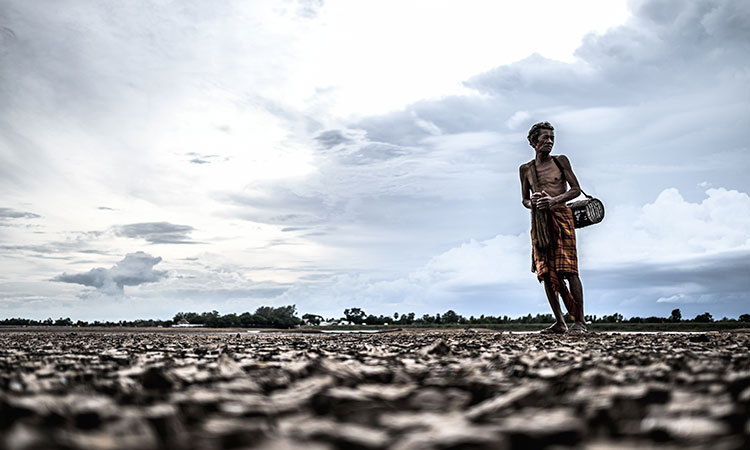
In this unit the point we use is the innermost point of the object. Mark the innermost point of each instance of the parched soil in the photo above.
(403, 390)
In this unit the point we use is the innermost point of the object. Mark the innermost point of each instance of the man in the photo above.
(547, 183)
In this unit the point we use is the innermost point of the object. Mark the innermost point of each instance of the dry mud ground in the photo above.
(403, 390)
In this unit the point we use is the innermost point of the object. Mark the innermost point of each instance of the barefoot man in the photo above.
(547, 182)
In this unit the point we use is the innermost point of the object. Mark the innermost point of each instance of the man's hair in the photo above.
(536, 129)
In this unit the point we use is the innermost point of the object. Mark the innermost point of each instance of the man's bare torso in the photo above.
(549, 177)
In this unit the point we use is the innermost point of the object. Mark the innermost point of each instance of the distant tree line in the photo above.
(67, 322)
(359, 317)
(264, 317)
(286, 317)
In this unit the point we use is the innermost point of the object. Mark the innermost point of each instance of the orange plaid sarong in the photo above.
(561, 257)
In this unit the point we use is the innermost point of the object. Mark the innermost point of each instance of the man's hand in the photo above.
(542, 200)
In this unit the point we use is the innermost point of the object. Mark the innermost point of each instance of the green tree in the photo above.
(372, 319)
(191, 317)
(676, 315)
(705, 317)
(312, 319)
(230, 321)
(654, 319)
(450, 317)
(355, 315)
(64, 322)
(281, 317)
(614, 318)
(426, 318)
(247, 320)
(210, 319)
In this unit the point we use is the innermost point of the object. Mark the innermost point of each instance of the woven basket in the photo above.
(587, 212)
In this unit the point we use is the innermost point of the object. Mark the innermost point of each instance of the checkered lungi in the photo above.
(561, 257)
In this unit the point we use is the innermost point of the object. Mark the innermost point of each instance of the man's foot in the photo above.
(578, 328)
(555, 329)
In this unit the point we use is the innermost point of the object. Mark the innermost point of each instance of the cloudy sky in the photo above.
(169, 156)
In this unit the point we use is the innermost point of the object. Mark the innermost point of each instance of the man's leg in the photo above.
(576, 290)
(559, 324)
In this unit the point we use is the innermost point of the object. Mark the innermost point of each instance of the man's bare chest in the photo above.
(550, 177)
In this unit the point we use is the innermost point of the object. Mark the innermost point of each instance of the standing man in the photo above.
(547, 183)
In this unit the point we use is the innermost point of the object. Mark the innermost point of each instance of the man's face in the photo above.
(545, 141)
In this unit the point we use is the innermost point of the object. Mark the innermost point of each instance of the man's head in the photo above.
(536, 129)
(542, 136)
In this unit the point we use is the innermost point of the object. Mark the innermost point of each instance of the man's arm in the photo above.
(525, 186)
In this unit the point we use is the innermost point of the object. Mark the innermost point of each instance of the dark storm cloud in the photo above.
(718, 284)
(718, 275)
(449, 115)
(668, 47)
(133, 270)
(157, 232)
(10, 213)
(666, 50)
(536, 80)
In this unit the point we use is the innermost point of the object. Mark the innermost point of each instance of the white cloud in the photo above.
(688, 299)
(672, 229)
(133, 270)
(500, 260)
(679, 298)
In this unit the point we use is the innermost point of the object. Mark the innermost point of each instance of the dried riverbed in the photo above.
(402, 390)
